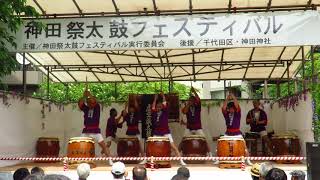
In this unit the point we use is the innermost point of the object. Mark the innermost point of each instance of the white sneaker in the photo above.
(110, 162)
(182, 163)
(248, 162)
(143, 162)
(216, 162)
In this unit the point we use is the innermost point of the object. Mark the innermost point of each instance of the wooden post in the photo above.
(48, 83)
(24, 74)
(278, 89)
(265, 95)
(312, 66)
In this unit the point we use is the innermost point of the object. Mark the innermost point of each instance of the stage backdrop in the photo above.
(22, 124)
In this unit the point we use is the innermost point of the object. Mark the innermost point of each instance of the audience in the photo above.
(118, 171)
(276, 174)
(265, 167)
(83, 171)
(263, 171)
(35, 176)
(298, 175)
(55, 177)
(139, 173)
(20, 174)
(255, 171)
(37, 170)
(182, 174)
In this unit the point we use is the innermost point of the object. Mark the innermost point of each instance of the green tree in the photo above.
(107, 92)
(10, 21)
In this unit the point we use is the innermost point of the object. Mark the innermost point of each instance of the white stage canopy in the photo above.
(153, 40)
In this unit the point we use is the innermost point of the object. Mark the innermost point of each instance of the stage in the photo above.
(197, 171)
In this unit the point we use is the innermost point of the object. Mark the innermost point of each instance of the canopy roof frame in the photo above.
(168, 64)
(230, 8)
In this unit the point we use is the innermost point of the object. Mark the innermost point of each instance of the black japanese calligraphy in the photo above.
(183, 27)
(118, 29)
(53, 30)
(207, 24)
(94, 30)
(142, 29)
(75, 30)
(230, 28)
(160, 35)
(32, 28)
(255, 22)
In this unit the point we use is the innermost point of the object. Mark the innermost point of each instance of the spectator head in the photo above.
(139, 173)
(265, 167)
(55, 177)
(276, 174)
(255, 171)
(298, 175)
(37, 170)
(183, 171)
(179, 177)
(118, 170)
(35, 176)
(20, 174)
(83, 171)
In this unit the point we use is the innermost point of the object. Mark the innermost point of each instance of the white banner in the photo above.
(171, 32)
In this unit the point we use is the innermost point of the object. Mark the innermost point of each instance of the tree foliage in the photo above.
(10, 21)
(107, 92)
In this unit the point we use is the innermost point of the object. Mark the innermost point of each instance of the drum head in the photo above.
(285, 136)
(230, 138)
(191, 137)
(81, 139)
(48, 139)
(151, 139)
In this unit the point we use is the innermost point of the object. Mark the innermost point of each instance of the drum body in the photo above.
(286, 145)
(81, 147)
(231, 147)
(128, 147)
(194, 146)
(159, 147)
(47, 147)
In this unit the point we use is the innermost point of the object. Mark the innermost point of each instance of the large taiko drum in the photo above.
(159, 147)
(128, 147)
(81, 147)
(286, 145)
(194, 146)
(47, 147)
(231, 147)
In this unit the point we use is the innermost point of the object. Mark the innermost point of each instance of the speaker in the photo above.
(313, 160)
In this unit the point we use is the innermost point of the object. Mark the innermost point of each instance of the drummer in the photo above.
(131, 117)
(257, 119)
(193, 112)
(160, 123)
(112, 126)
(232, 114)
(91, 109)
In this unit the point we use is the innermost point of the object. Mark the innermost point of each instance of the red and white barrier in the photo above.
(65, 160)
(154, 158)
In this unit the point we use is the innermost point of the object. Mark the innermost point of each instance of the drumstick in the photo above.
(86, 85)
